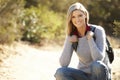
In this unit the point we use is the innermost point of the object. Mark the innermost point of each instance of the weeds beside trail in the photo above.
(30, 63)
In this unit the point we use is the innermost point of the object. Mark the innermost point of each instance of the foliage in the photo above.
(41, 23)
(117, 28)
(37, 20)
(104, 13)
(9, 27)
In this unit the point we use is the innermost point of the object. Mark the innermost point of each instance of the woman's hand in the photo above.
(73, 38)
(89, 35)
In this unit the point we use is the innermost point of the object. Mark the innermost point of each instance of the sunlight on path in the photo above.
(40, 66)
(31, 64)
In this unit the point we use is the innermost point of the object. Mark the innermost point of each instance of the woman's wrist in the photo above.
(73, 38)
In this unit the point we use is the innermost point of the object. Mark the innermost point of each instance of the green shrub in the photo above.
(41, 23)
(10, 11)
(117, 28)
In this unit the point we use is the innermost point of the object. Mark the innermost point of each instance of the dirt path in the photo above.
(34, 64)
(30, 64)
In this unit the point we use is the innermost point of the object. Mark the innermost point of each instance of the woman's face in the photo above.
(78, 18)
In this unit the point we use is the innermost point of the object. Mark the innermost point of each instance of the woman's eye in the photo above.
(73, 16)
(80, 15)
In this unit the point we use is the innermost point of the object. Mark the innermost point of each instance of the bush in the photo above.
(41, 23)
(9, 26)
(117, 28)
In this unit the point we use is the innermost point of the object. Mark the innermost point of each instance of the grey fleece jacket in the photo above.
(88, 51)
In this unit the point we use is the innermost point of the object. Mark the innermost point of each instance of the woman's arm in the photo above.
(66, 53)
(97, 46)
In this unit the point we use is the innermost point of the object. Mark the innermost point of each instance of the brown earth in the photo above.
(25, 62)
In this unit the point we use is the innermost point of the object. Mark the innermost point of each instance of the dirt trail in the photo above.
(30, 63)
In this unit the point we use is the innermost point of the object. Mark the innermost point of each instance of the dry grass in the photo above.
(23, 62)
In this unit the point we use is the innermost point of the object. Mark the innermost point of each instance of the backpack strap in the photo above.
(92, 28)
(74, 45)
(109, 51)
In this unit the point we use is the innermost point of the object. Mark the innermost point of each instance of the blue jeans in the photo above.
(99, 71)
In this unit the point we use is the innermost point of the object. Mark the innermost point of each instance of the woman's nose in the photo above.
(77, 19)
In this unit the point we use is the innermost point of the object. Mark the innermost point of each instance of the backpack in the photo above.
(109, 49)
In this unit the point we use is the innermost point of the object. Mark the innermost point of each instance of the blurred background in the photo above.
(40, 21)
(32, 33)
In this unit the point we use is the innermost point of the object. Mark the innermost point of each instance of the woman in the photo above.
(93, 63)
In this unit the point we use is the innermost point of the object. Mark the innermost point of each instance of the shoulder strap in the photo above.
(74, 45)
(92, 28)
(109, 51)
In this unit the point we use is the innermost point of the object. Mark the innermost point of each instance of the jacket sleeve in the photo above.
(66, 53)
(97, 46)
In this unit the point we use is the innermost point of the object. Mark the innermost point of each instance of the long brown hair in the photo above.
(75, 6)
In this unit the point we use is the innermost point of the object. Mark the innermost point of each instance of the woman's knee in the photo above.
(98, 67)
(99, 71)
(60, 72)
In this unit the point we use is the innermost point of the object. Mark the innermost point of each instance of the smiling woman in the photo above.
(78, 20)
(93, 61)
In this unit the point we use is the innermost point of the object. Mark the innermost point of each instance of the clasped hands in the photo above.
(89, 35)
